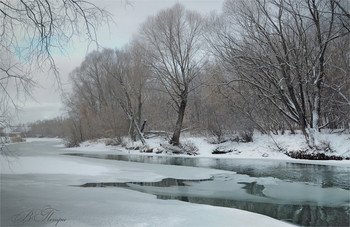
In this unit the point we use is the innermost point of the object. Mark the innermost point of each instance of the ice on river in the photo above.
(39, 187)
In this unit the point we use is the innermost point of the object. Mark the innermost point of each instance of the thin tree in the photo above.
(120, 88)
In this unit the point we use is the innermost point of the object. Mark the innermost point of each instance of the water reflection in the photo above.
(253, 188)
(166, 182)
(253, 199)
(303, 194)
(322, 175)
(305, 215)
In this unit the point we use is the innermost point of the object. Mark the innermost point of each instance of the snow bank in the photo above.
(264, 146)
(97, 145)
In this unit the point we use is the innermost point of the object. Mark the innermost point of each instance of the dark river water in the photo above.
(303, 194)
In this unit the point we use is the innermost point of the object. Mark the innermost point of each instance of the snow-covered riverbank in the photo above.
(263, 147)
(39, 187)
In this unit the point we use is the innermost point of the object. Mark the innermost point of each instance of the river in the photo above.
(303, 194)
(298, 193)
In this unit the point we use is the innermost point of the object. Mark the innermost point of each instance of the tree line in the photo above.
(270, 66)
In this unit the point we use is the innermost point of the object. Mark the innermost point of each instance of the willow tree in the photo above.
(173, 40)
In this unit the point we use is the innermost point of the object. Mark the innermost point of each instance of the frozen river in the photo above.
(104, 189)
(303, 194)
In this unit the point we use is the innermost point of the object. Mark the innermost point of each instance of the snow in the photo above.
(39, 178)
(96, 145)
(121, 207)
(266, 144)
(99, 170)
(50, 165)
(263, 147)
(29, 140)
(50, 179)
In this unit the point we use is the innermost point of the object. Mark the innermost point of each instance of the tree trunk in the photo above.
(143, 126)
(139, 108)
(314, 130)
(133, 122)
(175, 140)
(138, 131)
(132, 131)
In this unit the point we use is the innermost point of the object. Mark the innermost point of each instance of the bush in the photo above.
(184, 148)
(146, 149)
(325, 146)
(94, 140)
(246, 136)
(113, 141)
(17, 139)
(71, 142)
(190, 148)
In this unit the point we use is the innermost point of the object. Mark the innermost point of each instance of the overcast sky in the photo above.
(47, 97)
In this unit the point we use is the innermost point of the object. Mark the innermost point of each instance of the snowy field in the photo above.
(39, 187)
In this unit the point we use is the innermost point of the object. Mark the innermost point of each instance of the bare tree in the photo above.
(337, 87)
(89, 95)
(107, 85)
(173, 39)
(30, 30)
(137, 79)
(120, 77)
(282, 53)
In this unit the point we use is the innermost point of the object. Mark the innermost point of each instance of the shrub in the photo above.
(71, 142)
(246, 136)
(113, 141)
(190, 148)
(146, 149)
(184, 148)
(17, 139)
(326, 146)
(94, 140)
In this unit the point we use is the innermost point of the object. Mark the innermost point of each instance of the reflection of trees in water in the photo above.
(322, 216)
(326, 176)
(166, 182)
(253, 188)
(305, 215)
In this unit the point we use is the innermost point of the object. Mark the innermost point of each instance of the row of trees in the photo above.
(266, 65)
(57, 127)
(287, 53)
